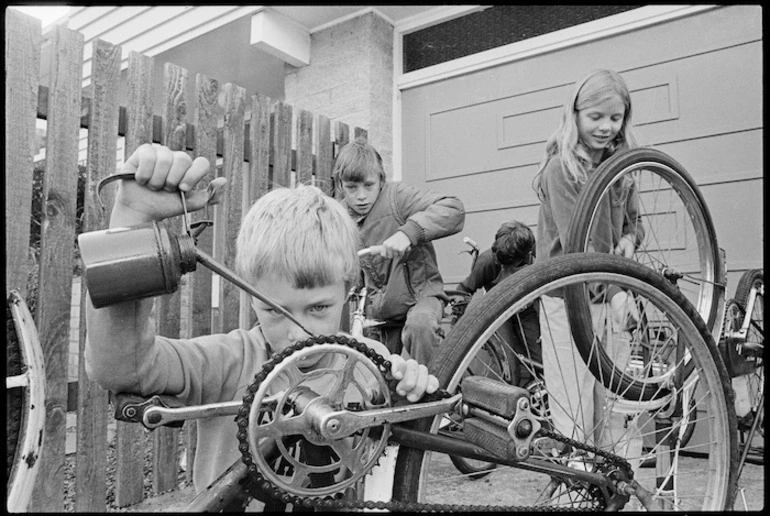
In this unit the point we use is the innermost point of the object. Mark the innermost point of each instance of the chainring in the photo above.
(283, 404)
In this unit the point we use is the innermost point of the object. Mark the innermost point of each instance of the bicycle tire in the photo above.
(422, 474)
(674, 211)
(748, 426)
(14, 397)
(748, 280)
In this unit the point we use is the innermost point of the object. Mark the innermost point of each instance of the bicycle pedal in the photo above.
(491, 437)
(495, 396)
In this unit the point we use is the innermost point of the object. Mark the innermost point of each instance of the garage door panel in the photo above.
(706, 95)
(485, 136)
(742, 157)
(491, 190)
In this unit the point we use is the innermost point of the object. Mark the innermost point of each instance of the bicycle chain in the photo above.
(335, 501)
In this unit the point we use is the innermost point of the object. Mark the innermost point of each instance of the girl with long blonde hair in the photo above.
(596, 124)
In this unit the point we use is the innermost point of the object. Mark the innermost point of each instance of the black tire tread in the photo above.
(605, 174)
(475, 320)
(14, 399)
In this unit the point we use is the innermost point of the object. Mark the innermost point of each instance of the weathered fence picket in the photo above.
(22, 67)
(92, 399)
(129, 467)
(56, 254)
(255, 142)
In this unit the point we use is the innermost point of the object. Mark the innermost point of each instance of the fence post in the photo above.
(22, 66)
(258, 177)
(129, 447)
(281, 146)
(165, 464)
(91, 469)
(324, 156)
(304, 165)
(206, 115)
(56, 257)
(229, 213)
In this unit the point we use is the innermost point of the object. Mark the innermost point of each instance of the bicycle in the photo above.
(365, 439)
(743, 348)
(499, 425)
(25, 401)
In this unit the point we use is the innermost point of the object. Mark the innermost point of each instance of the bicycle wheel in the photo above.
(746, 353)
(702, 476)
(25, 402)
(13, 397)
(679, 240)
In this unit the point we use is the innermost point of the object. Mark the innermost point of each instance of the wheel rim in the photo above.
(707, 459)
(679, 232)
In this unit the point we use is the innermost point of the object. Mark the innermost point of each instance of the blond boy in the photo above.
(297, 246)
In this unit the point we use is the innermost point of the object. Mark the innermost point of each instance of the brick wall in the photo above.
(350, 79)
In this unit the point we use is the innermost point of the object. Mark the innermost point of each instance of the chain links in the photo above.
(337, 501)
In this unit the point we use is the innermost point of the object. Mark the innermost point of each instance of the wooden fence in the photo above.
(258, 151)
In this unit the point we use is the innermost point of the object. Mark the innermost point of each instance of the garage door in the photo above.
(697, 93)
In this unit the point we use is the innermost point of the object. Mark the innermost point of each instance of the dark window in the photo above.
(494, 27)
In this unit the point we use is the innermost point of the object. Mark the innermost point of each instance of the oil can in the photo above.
(123, 264)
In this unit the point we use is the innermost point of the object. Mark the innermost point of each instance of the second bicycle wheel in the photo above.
(679, 237)
(745, 350)
(696, 477)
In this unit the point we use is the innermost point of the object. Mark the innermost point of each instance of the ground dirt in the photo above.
(751, 495)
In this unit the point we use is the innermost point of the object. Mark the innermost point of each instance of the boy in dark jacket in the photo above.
(402, 274)
(513, 249)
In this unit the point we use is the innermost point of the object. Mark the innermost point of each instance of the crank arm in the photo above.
(342, 423)
(156, 416)
(163, 410)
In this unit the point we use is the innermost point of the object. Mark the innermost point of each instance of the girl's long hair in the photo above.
(596, 87)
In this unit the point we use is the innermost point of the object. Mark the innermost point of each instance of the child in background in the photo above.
(596, 123)
(123, 353)
(403, 221)
(512, 250)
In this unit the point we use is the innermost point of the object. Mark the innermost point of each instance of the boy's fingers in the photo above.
(422, 382)
(198, 199)
(179, 167)
(164, 158)
(141, 163)
(397, 366)
(216, 190)
(193, 173)
(411, 375)
(432, 384)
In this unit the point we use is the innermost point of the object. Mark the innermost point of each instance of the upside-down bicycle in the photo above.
(379, 453)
